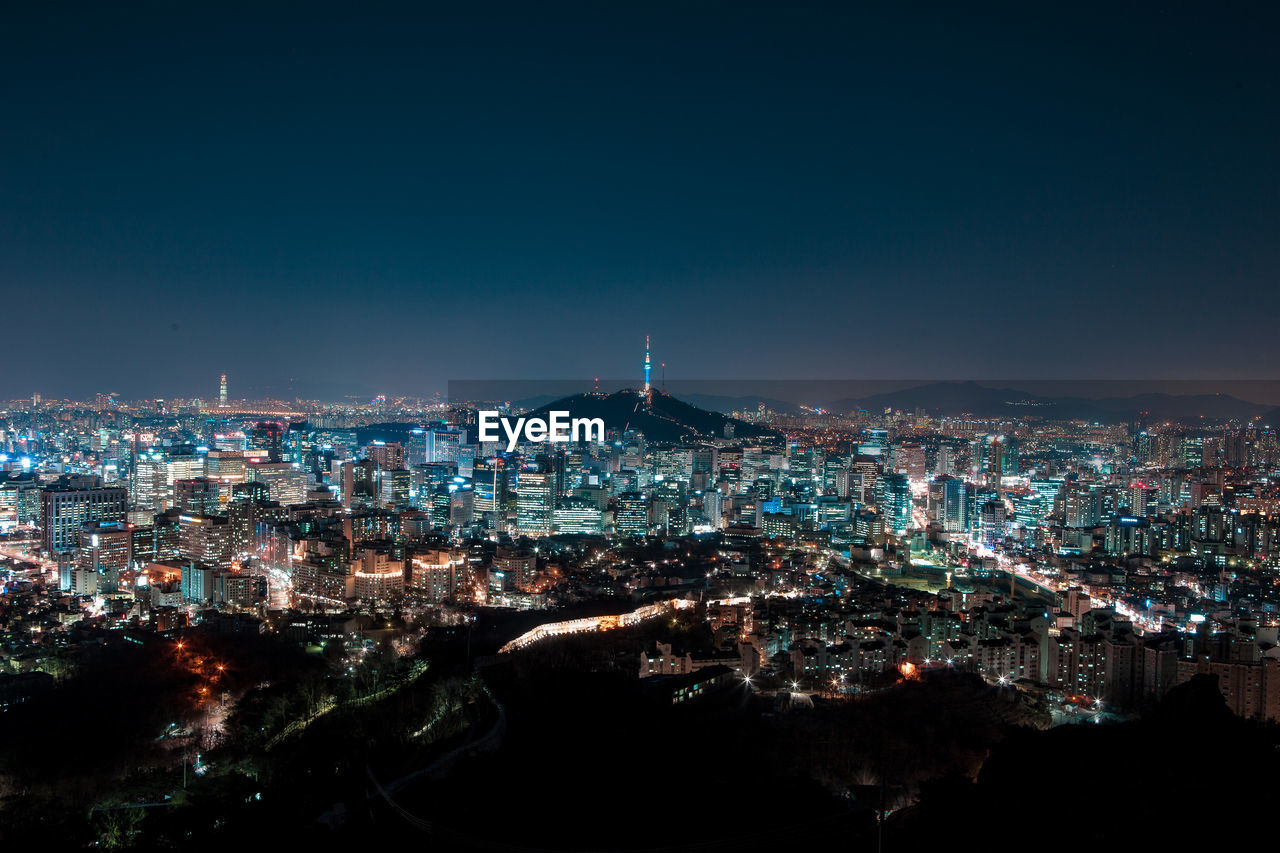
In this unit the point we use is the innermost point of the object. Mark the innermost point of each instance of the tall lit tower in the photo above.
(222, 391)
(647, 364)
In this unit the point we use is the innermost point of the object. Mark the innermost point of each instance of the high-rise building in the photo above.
(268, 436)
(489, 479)
(197, 496)
(953, 505)
(991, 528)
(222, 391)
(182, 466)
(67, 506)
(284, 481)
(443, 444)
(578, 515)
(388, 456)
(1083, 508)
(207, 539)
(633, 514)
(894, 501)
(19, 501)
(535, 503)
(909, 459)
(1029, 509)
(106, 549)
(946, 463)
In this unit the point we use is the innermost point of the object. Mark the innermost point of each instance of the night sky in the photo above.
(379, 198)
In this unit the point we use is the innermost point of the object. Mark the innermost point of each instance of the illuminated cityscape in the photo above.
(377, 556)
(347, 499)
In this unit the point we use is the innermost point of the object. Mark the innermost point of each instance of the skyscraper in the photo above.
(66, 507)
(222, 391)
(268, 436)
(535, 503)
(894, 501)
(953, 505)
(633, 514)
(197, 496)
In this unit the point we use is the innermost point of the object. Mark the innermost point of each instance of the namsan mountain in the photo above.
(661, 417)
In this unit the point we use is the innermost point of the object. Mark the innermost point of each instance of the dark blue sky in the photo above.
(378, 198)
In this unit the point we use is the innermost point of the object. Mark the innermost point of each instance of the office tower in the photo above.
(863, 487)
(393, 489)
(268, 436)
(847, 484)
(633, 515)
(298, 448)
(356, 482)
(991, 528)
(489, 479)
(1083, 508)
(946, 464)
(206, 539)
(440, 505)
(713, 510)
(461, 502)
(249, 506)
(196, 583)
(909, 459)
(1009, 448)
(829, 510)
(388, 456)
(1029, 509)
(106, 551)
(1142, 500)
(285, 483)
(535, 503)
(222, 391)
(1128, 535)
(1048, 489)
(894, 501)
(953, 505)
(197, 496)
(1192, 451)
(19, 501)
(578, 515)
(994, 461)
(68, 505)
(443, 444)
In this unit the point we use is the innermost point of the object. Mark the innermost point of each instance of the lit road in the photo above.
(23, 557)
(1099, 597)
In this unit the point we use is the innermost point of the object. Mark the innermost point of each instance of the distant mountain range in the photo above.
(665, 420)
(972, 398)
(956, 398)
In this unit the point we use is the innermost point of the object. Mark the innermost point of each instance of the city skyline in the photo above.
(580, 426)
